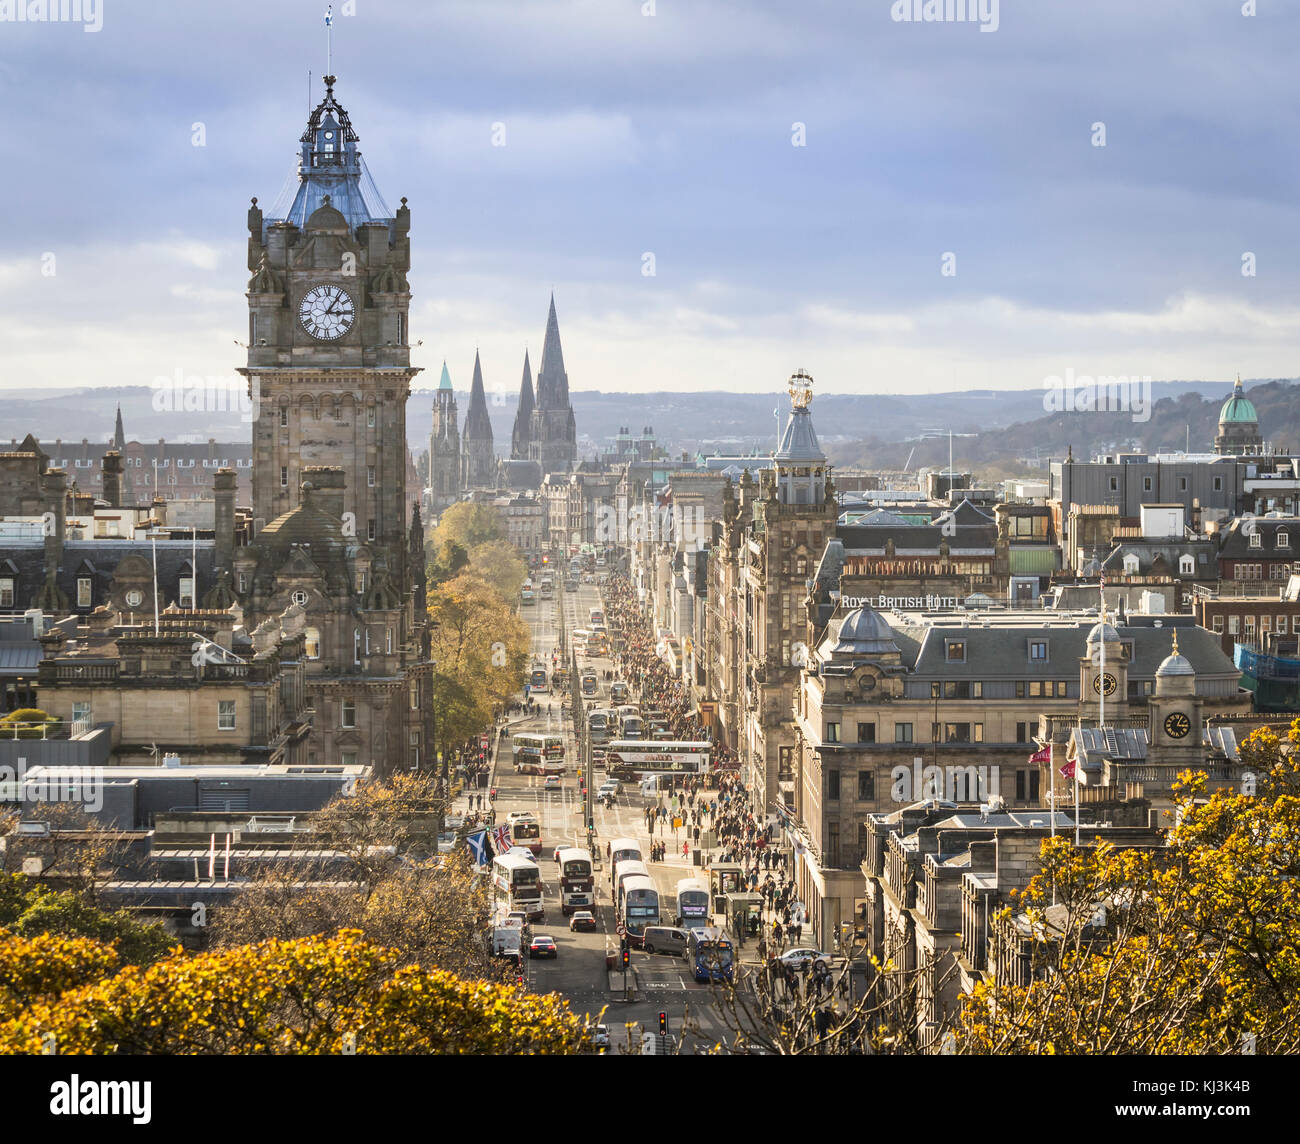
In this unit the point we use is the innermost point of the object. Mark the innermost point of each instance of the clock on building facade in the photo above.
(1177, 725)
(1105, 683)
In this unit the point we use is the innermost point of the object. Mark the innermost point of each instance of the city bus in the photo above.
(640, 907)
(577, 881)
(620, 850)
(692, 903)
(526, 832)
(618, 692)
(628, 868)
(527, 598)
(537, 680)
(631, 758)
(538, 754)
(711, 953)
(517, 885)
(596, 616)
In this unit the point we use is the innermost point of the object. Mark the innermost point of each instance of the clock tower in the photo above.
(1103, 672)
(336, 552)
(1175, 729)
(329, 364)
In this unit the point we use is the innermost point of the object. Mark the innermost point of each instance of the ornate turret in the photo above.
(800, 462)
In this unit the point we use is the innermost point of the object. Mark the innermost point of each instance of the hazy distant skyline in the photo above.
(672, 134)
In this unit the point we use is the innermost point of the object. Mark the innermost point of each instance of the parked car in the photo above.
(583, 921)
(543, 945)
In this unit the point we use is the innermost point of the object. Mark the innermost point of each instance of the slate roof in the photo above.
(799, 442)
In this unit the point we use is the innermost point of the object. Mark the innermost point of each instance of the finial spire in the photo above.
(1175, 641)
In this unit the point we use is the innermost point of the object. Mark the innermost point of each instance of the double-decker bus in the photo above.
(692, 903)
(640, 907)
(538, 754)
(527, 597)
(628, 868)
(711, 953)
(620, 850)
(526, 832)
(631, 758)
(517, 885)
(537, 680)
(577, 880)
(596, 616)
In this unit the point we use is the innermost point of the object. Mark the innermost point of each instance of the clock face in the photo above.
(1105, 682)
(327, 312)
(1177, 725)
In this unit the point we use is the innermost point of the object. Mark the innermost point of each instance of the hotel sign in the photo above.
(927, 601)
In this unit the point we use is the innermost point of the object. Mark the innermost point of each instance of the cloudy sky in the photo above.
(668, 129)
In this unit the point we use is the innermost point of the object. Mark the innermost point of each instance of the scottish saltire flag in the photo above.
(329, 15)
(478, 847)
(501, 839)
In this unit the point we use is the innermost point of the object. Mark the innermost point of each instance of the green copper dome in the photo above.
(1237, 409)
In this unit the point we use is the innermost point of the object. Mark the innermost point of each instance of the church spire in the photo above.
(552, 381)
(119, 435)
(524, 416)
(478, 425)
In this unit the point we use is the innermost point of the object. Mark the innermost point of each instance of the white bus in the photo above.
(517, 885)
(631, 758)
(640, 907)
(538, 754)
(620, 850)
(577, 882)
(625, 870)
(692, 903)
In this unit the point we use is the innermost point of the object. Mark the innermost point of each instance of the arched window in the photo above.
(1130, 563)
(1186, 565)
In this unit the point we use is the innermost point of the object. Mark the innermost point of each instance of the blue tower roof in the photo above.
(329, 163)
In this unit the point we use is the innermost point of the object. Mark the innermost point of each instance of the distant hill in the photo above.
(1187, 418)
(870, 429)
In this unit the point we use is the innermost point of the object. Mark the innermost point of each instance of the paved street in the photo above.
(579, 971)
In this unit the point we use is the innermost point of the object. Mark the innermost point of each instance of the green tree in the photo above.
(468, 524)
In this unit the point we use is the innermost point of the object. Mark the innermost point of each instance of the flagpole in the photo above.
(329, 39)
(153, 541)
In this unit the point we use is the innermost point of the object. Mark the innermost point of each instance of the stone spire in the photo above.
(119, 435)
(524, 416)
(478, 425)
(552, 381)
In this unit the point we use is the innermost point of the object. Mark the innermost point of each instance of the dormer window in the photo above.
(1283, 539)
(1256, 541)
(954, 651)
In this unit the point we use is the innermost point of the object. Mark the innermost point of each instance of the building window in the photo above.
(356, 647)
(935, 689)
(1256, 541)
(348, 714)
(284, 476)
(1216, 624)
(1283, 538)
(370, 417)
(348, 758)
(1038, 650)
(6, 593)
(370, 529)
(415, 696)
(1114, 484)
(902, 732)
(243, 583)
(370, 476)
(311, 643)
(1026, 785)
(83, 591)
(187, 592)
(1182, 484)
(361, 582)
(300, 598)
(1022, 732)
(1146, 484)
(1218, 484)
(832, 733)
(225, 714)
(956, 733)
(955, 651)
(833, 844)
(284, 417)
(833, 786)
(866, 732)
(867, 786)
(81, 713)
(388, 641)
(1234, 625)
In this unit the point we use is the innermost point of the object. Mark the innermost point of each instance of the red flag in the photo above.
(1070, 769)
(1043, 755)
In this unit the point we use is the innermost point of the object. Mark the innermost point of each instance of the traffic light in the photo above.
(663, 1022)
(627, 956)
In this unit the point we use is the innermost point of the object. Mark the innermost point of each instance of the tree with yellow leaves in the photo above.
(312, 996)
(1190, 948)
